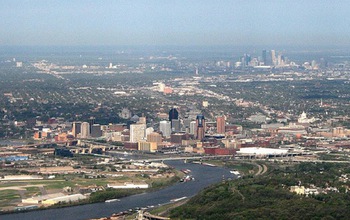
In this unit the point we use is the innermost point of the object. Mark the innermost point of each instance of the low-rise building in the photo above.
(300, 190)
(128, 186)
(64, 199)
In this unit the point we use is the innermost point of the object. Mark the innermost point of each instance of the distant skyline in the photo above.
(157, 22)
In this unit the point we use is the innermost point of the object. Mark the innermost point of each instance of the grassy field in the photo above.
(10, 191)
(243, 167)
(8, 197)
(32, 191)
(9, 194)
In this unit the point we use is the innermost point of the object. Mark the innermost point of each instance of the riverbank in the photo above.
(204, 177)
(109, 193)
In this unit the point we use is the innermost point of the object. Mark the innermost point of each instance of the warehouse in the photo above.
(64, 199)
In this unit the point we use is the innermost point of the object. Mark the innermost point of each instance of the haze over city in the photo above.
(155, 22)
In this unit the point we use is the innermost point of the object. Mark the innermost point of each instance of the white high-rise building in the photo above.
(273, 57)
(165, 128)
(193, 126)
(85, 130)
(137, 132)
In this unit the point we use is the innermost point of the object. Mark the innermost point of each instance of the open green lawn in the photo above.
(7, 196)
(32, 187)
(242, 167)
(32, 191)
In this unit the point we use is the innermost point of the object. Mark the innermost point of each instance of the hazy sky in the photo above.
(176, 22)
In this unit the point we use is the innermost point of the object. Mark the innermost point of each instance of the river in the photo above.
(204, 176)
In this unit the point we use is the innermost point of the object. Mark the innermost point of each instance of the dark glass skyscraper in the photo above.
(173, 114)
(200, 127)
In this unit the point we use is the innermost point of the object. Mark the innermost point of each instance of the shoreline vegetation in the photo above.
(102, 196)
(270, 196)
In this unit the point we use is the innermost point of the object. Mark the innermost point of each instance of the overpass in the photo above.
(91, 145)
(41, 144)
(180, 158)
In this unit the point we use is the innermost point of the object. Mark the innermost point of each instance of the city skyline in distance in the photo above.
(311, 23)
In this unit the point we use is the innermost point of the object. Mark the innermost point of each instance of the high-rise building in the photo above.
(137, 132)
(186, 125)
(91, 121)
(175, 125)
(220, 124)
(173, 114)
(264, 57)
(200, 127)
(76, 129)
(273, 57)
(193, 127)
(96, 131)
(246, 60)
(85, 130)
(165, 128)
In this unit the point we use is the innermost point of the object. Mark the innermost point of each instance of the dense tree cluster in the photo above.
(268, 197)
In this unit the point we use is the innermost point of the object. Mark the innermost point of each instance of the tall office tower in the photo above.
(280, 59)
(96, 131)
(85, 130)
(76, 128)
(175, 125)
(264, 57)
(186, 125)
(91, 121)
(220, 124)
(248, 58)
(137, 132)
(200, 127)
(283, 59)
(243, 62)
(173, 114)
(273, 57)
(193, 127)
(165, 128)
